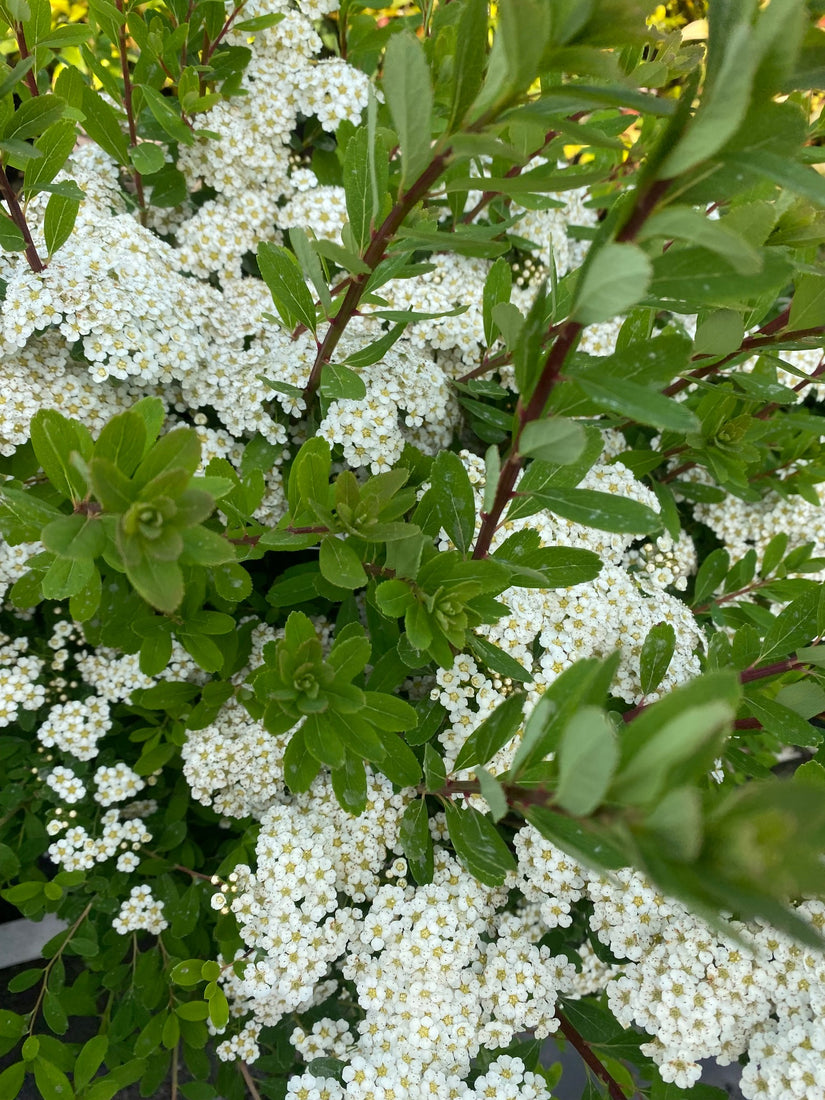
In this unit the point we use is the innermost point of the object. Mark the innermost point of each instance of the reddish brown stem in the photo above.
(210, 49)
(19, 218)
(748, 675)
(372, 257)
(23, 50)
(730, 596)
(582, 1048)
(128, 106)
(563, 344)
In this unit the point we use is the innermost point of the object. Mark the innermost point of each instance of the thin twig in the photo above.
(23, 50)
(129, 108)
(19, 218)
(582, 1048)
(372, 257)
(248, 1080)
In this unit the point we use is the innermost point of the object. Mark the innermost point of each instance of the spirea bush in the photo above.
(412, 555)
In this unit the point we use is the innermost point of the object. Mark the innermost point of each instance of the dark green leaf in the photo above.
(408, 93)
(605, 511)
(417, 842)
(588, 754)
(615, 280)
(454, 499)
(479, 845)
(281, 273)
(499, 727)
(656, 655)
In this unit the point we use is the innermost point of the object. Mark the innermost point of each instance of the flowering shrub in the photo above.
(412, 556)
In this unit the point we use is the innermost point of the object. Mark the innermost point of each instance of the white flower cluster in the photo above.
(78, 850)
(664, 563)
(66, 784)
(19, 675)
(702, 994)
(116, 783)
(408, 400)
(328, 1038)
(740, 524)
(114, 676)
(14, 559)
(141, 912)
(614, 611)
(76, 726)
(234, 765)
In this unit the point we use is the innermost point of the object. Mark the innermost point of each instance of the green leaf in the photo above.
(323, 742)
(76, 536)
(218, 1009)
(499, 727)
(350, 784)
(311, 266)
(281, 273)
(408, 94)
(147, 158)
(723, 106)
(11, 236)
(364, 201)
(616, 279)
(55, 144)
(656, 655)
(400, 763)
(232, 582)
(692, 736)
(26, 978)
(66, 577)
(478, 845)
(54, 1014)
(107, 1087)
(795, 625)
(688, 279)
(11, 1080)
(166, 115)
(52, 1083)
(808, 302)
(435, 773)
(339, 564)
(588, 754)
(300, 766)
(454, 499)
(493, 794)
(587, 681)
(309, 477)
(711, 574)
(555, 439)
(605, 511)
(102, 124)
(687, 224)
(499, 661)
(160, 583)
(339, 382)
(122, 441)
(800, 179)
(111, 487)
(468, 66)
(179, 449)
(416, 841)
(204, 547)
(23, 515)
(54, 438)
(497, 286)
(388, 712)
(637, 403)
